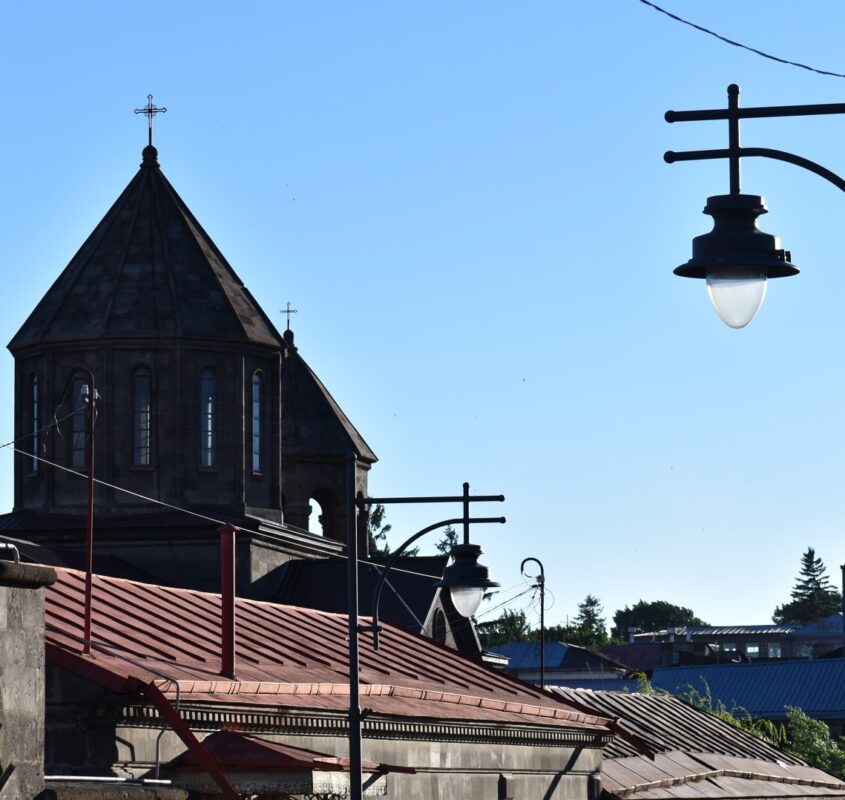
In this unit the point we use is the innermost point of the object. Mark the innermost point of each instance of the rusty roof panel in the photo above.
(289, 656)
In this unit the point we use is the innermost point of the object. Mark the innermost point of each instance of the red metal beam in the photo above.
(227, 601)
(180, 727)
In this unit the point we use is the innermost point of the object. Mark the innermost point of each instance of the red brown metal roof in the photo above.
(286, 656)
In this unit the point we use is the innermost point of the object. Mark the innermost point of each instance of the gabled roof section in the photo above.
(665, 723)
(286, 657)
(148, 270)
(312, 421)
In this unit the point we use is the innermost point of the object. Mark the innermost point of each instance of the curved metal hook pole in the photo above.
(395, 556)
(541, 585)
(671, 156)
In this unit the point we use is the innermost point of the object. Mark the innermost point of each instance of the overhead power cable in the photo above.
(740, 44)
(173, 507)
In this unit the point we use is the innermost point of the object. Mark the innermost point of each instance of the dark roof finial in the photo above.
(150, 110)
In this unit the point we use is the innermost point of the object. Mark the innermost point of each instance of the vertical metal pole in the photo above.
(733, 137)
(466, 513)
(227, 601)
(541, 582)
(355, 783)
(89, 529)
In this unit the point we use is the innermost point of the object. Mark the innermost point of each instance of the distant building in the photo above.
(726, 643)
(565, 665)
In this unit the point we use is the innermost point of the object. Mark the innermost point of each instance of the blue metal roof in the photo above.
(526, 655)
(764, 689)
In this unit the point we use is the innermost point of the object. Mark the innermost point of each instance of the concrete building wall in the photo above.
(22, 678)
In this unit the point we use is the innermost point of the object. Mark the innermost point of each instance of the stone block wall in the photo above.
(22, 678)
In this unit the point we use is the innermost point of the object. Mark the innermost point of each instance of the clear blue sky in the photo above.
(467, 203)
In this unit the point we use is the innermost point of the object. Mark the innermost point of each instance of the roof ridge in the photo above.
(202, 238)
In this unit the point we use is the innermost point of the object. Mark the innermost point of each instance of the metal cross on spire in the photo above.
(288, 311)
(150, 110)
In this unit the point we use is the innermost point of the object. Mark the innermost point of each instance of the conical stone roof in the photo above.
(147, 270)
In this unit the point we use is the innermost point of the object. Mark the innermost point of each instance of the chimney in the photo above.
(632, 635)
(227, 601)
(670, 634)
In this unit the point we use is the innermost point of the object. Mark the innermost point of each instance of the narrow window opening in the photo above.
(315, 517)
(207, 422)
(36, 424)
(80, 412)
(256, 422)
(142, 417)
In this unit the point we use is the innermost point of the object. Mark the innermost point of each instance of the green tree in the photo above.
(511, 626)
(810, 740)
(589, 628)
(651, 616)
(449, 540)
(813, 598)
(377, 530)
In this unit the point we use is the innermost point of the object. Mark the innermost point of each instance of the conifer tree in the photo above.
(813, 597)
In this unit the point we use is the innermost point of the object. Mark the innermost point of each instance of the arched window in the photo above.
(438, 627)
(80, 412)
(36, 422)
(256, 422)
(141, 417)
(208, 403)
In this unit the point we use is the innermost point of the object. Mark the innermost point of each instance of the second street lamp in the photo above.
(736, 258)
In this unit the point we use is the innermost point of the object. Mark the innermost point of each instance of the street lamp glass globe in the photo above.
(467, 599)
(737, 295)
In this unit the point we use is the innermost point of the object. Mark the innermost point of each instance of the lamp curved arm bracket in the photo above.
(395, 556)
(671, 156)
(541, 577)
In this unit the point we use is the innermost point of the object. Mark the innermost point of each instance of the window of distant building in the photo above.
(141, 417)
(35, 415)
(752, 650)
(774, 649)
(438, 627)
(208, 409)
(256, 422)
(80, 411)
(729, 647)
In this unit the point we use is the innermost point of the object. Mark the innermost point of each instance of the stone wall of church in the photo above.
(184, 460)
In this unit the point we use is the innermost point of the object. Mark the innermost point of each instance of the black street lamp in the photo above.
(541, 585)
(465, 578)
(736, 258)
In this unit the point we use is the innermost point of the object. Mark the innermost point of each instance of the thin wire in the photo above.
(53, 423)
(183, 510)
(739, 44)
(503, 603)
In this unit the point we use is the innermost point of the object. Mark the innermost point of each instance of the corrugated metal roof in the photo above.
(665, 723)
(680, 775)
(765, 688)
(558, 655)
(724, 630)
(286, 656)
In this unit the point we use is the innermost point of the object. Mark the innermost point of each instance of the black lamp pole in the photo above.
(541, 585)
(736, 251)
(461, 574)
